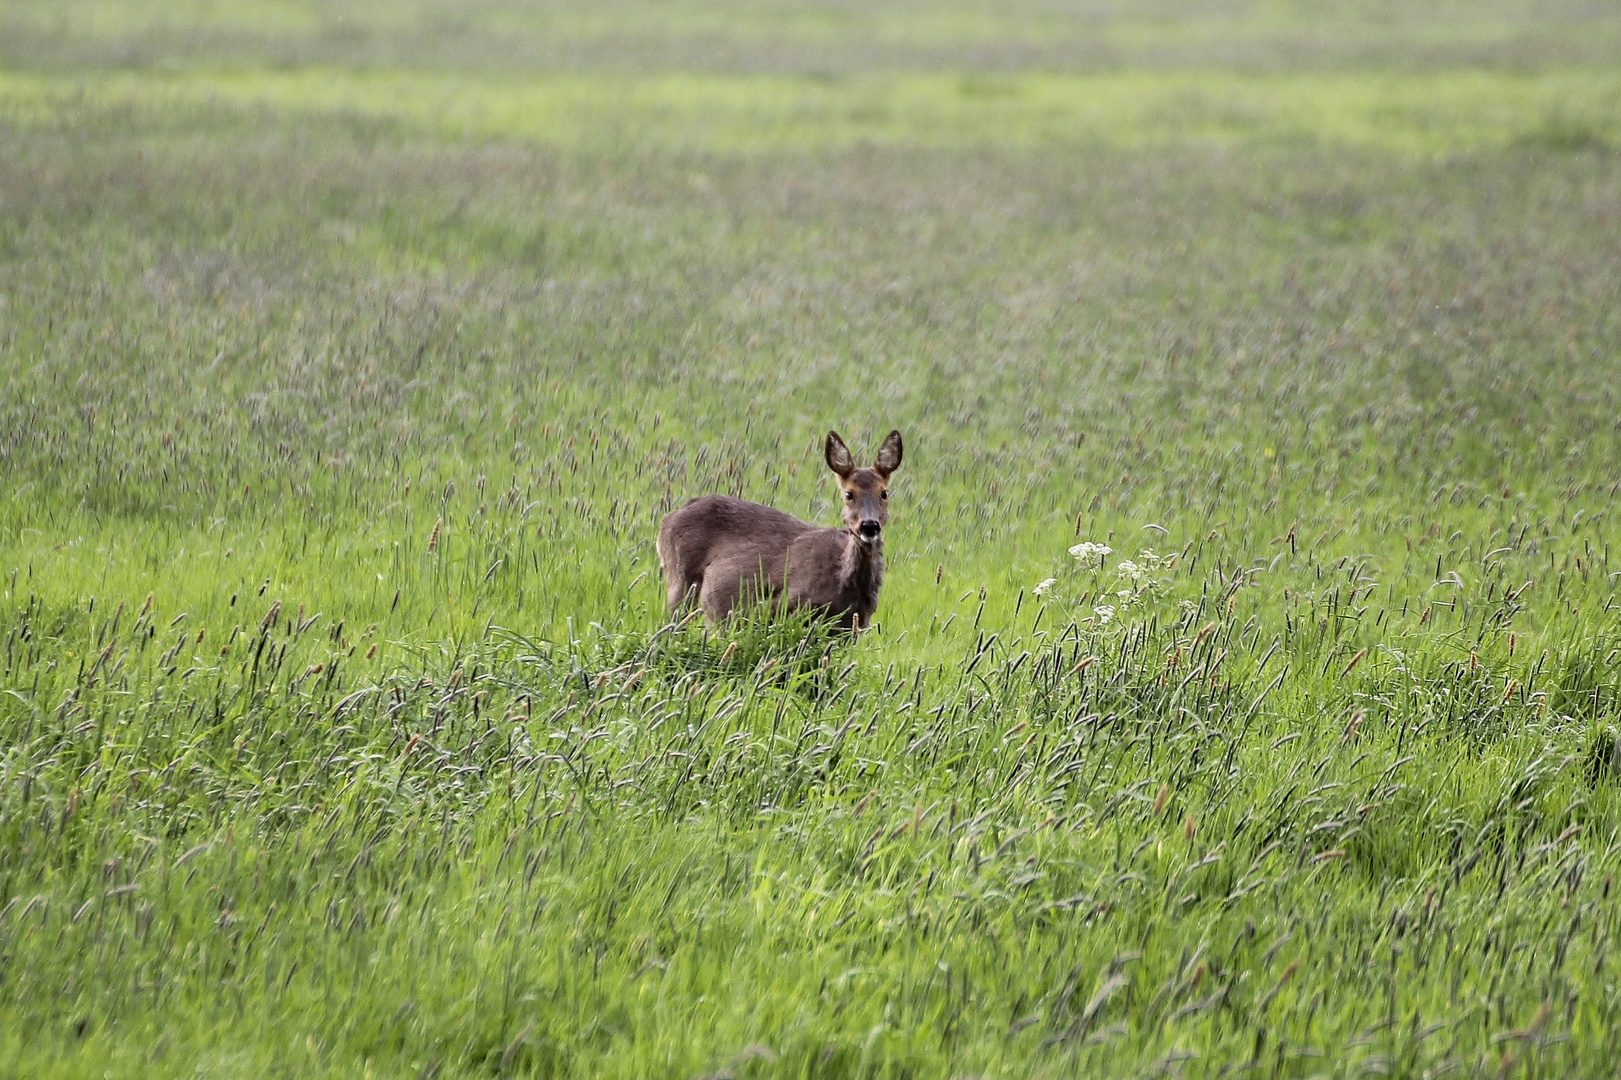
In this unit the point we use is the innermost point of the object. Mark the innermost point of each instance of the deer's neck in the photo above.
(862, 572)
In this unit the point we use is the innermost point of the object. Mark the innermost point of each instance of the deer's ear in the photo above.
(889, 455)
(838, 455)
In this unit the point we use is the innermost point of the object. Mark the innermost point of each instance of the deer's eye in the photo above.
(849, 495)
(884, 495)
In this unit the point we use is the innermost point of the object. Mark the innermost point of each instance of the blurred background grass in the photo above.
(834, 38)
(753, 113)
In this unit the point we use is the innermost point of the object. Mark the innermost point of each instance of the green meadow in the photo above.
(1244, 695)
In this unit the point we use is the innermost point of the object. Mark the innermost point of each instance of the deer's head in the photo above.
(864, 493)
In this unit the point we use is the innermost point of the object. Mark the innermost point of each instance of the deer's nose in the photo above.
(871, 529)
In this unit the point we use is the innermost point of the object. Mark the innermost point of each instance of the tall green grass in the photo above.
(342, 728)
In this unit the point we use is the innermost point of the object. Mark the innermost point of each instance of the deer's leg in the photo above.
(720, 593)
(681, 584)
(680, 592)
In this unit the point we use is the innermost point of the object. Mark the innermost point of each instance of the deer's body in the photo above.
(723, 552)
(729, 551)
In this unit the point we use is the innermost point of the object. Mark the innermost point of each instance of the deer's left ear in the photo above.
(889, 455)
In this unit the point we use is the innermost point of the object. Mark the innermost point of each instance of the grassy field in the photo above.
(350, 353)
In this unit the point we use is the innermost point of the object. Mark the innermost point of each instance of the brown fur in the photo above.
(723, 552)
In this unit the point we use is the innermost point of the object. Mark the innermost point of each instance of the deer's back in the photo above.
(717, 528)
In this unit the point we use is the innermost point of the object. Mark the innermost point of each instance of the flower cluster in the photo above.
(1087, 551)
(1136, 580)
(1139, 576)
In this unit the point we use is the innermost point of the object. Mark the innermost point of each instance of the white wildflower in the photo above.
(1129, 569)
(1125, 594)
(1104, 613)
(1042, 587)
(1086, 552)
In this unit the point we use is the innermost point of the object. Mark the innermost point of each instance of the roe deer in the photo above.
(726, 551)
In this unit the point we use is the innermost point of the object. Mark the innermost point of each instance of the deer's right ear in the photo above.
(838, 455)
